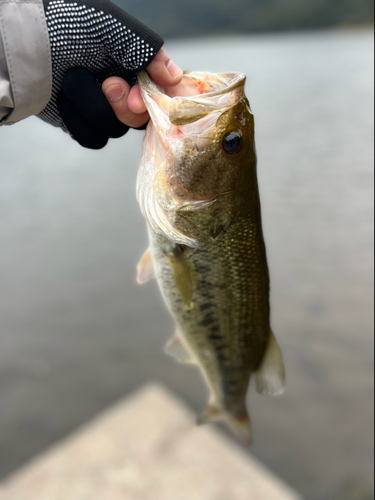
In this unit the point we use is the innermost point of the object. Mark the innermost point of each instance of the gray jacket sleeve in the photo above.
(25, 60)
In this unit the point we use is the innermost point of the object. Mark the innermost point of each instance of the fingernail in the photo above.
(173, 69)
(114, 92)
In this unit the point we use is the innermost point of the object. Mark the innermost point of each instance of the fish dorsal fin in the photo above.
(145, 268)
(270, 378)
(182, 276)
(178, 349)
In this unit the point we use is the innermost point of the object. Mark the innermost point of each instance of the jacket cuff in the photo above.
(27, 59)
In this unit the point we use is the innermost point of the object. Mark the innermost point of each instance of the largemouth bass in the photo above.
(197, 188)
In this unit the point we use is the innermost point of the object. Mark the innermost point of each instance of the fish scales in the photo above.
(203, 212)
(231, 311)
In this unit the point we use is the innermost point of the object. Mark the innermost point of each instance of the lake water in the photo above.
(76, 331)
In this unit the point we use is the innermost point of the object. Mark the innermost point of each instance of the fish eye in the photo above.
(232, 143)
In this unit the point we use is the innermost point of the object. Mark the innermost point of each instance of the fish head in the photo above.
(198, 149)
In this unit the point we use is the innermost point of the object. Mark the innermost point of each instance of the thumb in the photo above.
(163, 71)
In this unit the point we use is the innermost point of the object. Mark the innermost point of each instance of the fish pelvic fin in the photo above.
(145, 268)
(177, 348)
(238, 423)
(270, 377)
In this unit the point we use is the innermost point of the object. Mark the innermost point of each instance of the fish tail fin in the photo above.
(238, 423)
(241, 426)
(212, 413)
(270, 378)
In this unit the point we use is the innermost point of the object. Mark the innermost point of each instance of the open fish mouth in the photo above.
(205, 93)
(179, 143)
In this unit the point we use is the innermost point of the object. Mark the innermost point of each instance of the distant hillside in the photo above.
(183, 18)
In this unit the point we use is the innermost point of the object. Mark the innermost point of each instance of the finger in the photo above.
(117, 92)
(135, 101)
(163, 71)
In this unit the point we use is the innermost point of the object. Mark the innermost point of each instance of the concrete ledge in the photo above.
(147, 447)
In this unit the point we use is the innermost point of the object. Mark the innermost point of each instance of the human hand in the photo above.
(127, 102)
(92, 40)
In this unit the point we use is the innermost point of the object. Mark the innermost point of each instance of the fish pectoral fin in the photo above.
(182, 277)
(145, 268)
(239, 423)
(270, 378)
(178, 349)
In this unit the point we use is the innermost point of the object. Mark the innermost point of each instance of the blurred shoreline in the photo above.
(222, 36)
(352, 28)
(194, 18)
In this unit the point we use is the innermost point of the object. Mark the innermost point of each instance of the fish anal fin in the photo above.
(145, 268)
(270, 377)
(178, 349)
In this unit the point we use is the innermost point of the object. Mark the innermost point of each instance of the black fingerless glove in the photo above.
(92, 40)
